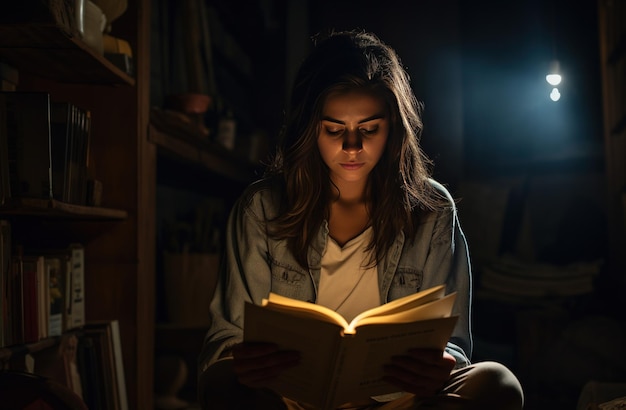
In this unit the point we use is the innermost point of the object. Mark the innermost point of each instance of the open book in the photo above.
(343, 362)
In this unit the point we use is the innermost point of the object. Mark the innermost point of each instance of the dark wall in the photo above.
(479, 68)
(510, 124)
(426, 36)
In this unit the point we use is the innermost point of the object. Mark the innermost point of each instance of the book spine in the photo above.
(43, 299)
(119, 365)
(42, 291)
(103, 335)
(55, 279)
(27, 121)
(67, 293)
(15, 328)
(60, 117)
(77, 304)
(9, 77)
(5, 186)
(5, 267)
(30, 305)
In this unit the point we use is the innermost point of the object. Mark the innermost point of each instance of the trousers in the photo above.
(482, 385)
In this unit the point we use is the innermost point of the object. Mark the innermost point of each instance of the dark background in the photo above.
(528, 173)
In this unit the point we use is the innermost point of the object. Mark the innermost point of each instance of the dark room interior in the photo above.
(185, 101)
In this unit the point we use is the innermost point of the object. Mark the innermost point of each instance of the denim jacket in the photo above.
(255, 264)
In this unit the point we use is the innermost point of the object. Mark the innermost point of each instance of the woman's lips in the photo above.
(350, 166)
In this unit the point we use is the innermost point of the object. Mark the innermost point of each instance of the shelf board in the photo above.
(6, 353)
(43, 49)
(54, 208)
(209, 156)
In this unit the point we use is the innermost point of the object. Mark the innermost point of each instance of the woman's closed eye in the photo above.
(369, 131)
(334, 131)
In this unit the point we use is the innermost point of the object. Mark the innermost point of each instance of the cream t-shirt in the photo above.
(346, 285)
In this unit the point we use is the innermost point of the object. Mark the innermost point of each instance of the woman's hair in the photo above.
(398, 186)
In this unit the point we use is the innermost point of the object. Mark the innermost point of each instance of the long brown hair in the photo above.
(398, 185)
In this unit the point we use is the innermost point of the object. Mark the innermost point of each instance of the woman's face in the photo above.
(353, 134)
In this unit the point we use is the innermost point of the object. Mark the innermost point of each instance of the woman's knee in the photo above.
(496, 385)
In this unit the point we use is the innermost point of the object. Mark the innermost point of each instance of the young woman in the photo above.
(347, 217)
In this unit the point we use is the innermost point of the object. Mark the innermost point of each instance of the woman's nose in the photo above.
(352, 142)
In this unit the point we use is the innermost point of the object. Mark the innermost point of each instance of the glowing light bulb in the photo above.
(553, 79)
(555, 95)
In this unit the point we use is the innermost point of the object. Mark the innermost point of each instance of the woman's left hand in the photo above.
(422, 372)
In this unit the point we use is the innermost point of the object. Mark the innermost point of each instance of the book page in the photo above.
(315, 340)
(373, 346)
(305, 309)
(404, 303)
(318, 333)
(431, 310)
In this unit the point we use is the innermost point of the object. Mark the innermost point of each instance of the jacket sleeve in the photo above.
(449, 262)
(244, 276)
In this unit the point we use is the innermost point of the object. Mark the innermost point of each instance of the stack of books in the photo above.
(510, 276)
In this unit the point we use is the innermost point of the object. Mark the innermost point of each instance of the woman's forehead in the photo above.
(354, 102)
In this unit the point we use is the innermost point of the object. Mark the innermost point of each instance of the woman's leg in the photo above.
(483, 385)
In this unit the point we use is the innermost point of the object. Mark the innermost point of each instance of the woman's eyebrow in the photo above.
(371, 118)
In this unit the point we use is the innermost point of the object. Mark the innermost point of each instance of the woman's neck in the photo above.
(349, 215)
(353, 193)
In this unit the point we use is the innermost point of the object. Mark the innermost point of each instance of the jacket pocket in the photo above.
(289, 280)
(406, 281)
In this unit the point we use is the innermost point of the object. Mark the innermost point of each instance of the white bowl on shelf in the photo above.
(91, 23)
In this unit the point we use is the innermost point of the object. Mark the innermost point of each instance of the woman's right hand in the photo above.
(256, 363)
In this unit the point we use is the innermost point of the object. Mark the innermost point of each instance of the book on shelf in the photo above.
(27, 121)
(105, 340)
(343, 362)
(43, 298)
(70, 128)
(65, 273)
(90, 374)
(120, 377)
(9, 77)
(59, 363)
(14, 325)
(47, 148)
(29, 269)
(509, 276)
(61, 118)
(55, 267)
(75, 313)
(42, 292)
(5, 267)
(28, 274)
(5, 186)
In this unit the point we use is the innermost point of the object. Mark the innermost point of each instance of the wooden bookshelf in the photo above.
(612, 44)
(7, 353)
(208, 155)
(45, 49)
(53, 208)
(118, 237)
